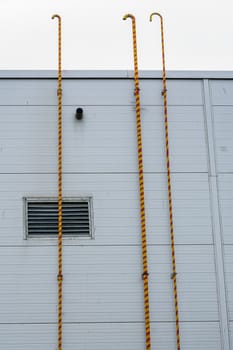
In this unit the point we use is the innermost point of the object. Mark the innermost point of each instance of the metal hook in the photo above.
(163, 49)
(59, 49)
(56, 16)
(155, 14)
(128, 15)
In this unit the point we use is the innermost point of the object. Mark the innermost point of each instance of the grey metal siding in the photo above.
(103, 297)
(109, 335)
(221, 99)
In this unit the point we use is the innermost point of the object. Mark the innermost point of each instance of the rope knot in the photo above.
(60, 277)
(173, 275)
(59, 92)
(145, 274)
(136, 91)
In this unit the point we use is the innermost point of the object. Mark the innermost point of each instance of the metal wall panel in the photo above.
(231, 332)
(223, 127)
(228, 249)
(130, 336)
(103, 296)
(105, 141)
(116, 207)
(107, 287)
(221, 92)
(225, 183)
(96, 92)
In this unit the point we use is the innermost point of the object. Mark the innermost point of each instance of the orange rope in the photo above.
(173, 276)
(59, 275)
(141, 187)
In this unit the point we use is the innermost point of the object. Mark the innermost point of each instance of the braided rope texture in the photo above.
(141, 189)
(59, 276)
(173, 276)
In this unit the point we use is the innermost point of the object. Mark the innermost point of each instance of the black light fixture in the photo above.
(79, 114)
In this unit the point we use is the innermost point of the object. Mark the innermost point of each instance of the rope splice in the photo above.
(145, 273)
(164, 94)
(59, 275)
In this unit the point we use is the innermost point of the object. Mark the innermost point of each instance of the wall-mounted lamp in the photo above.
(79, 113)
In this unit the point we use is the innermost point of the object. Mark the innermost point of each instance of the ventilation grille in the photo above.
(42, 217)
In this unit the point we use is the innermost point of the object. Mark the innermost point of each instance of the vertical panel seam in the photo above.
(216, 221)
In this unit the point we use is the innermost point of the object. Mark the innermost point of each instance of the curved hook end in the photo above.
(128, 15)
(155, 14)
(56, 16)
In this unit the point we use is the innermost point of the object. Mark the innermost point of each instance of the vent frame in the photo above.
(86, 199)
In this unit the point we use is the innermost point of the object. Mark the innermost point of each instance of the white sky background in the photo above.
(198, 34)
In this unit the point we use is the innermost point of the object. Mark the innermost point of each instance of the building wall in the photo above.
(222, 110)
(103, 289)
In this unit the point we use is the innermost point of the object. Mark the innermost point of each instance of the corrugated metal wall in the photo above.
(222, 110)
(103, 291)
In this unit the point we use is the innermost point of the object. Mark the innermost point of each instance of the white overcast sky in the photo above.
(198, 34)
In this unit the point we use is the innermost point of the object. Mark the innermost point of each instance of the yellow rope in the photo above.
(173, 276)
(141, 187)
(59, 275)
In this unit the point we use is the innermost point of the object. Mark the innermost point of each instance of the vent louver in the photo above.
(42, 217)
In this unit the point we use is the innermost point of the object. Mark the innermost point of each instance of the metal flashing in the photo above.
(113, 74)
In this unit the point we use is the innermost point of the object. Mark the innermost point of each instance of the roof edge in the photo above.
(113, 74)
